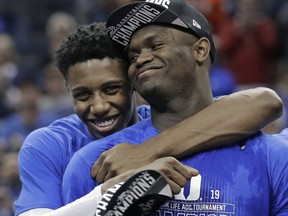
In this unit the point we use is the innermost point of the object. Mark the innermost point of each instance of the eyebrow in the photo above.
(113, 82)
(80, 88)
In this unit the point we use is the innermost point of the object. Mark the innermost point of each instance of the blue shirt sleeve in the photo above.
(77, 173)
(77, 180)
(278, 165)
(144, 112)
(40, 168)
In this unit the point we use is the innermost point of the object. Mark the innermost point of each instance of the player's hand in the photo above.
(174, 171)
(119, 159)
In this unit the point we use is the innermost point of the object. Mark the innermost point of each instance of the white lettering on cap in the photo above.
(164, 3)
(144, 15)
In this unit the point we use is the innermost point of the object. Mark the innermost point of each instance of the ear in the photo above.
(202, 50)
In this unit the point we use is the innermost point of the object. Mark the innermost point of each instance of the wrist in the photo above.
(154, 149)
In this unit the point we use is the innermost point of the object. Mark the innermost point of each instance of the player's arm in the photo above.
(174, 172)
(229, 119)
(86, 205)
(38, 164)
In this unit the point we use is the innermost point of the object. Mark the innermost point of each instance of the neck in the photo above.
(174, 111)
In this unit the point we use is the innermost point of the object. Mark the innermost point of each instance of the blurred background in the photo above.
(251, 37)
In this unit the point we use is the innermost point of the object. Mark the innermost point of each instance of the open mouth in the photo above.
(104, 125)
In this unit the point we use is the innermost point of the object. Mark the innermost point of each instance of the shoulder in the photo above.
(72, 127)
(283, 134)
(277, 168)
(71, 122)
(268, 147)
(135, 134)
(267, 139)
(273, 147)
(65, 134)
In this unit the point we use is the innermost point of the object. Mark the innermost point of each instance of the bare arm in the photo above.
(229, 119)
(85, 205)
(176, 174)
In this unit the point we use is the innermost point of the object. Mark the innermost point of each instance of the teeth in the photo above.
(105, 123)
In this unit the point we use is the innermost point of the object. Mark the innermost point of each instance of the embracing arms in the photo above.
(174, 172)
(229, 119)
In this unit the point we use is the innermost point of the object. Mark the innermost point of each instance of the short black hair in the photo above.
(85, 43)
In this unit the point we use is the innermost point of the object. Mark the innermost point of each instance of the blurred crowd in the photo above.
(251, 37)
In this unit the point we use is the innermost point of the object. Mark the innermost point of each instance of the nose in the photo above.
(99, 106)
(144, 57)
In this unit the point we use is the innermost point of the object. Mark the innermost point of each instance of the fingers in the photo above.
(175, 188)
(103, 169)
(120, 178)
(194, 172)
(97, 165)
(178, 174)
(109, 175)
(117, 160)
(99, 170)
(186, 171)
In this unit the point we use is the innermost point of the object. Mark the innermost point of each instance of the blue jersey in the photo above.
(44, 156)
(283, 134)
(247, 178)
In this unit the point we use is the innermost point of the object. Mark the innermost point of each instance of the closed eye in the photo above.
(133, 57)
(156, 46)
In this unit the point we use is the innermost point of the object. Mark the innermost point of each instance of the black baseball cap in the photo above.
(124, 21)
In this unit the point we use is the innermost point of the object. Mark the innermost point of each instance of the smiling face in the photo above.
(162, 62)
(102, 95)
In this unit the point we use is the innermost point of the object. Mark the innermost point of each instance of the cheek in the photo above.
(131, 73)
(80, 108)
(182, 54)
(124, 100)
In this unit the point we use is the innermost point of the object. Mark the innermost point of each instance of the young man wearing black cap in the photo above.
(171, 50)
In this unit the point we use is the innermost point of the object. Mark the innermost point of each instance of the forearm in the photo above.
(85, 205)
(229, 119)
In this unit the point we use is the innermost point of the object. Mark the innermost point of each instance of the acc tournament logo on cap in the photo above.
(139, 15)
